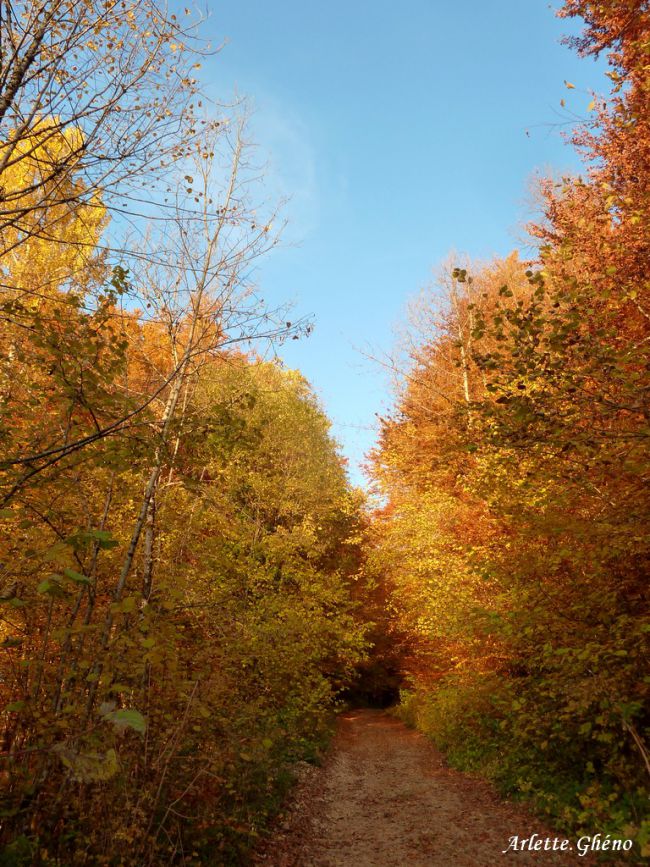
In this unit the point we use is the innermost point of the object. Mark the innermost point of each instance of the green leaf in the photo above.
(125, 606)
(14, 601)
(58, 553)
(51, 587)
(77, 577)
(127, 718)
(103, 538)
(119, 687)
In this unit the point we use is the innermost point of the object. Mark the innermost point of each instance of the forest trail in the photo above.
(386, 798)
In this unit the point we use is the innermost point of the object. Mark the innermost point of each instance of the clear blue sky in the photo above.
(399, 131)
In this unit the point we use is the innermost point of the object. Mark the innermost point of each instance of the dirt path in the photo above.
(385, 798)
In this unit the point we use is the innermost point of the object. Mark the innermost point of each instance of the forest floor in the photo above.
(386, 798)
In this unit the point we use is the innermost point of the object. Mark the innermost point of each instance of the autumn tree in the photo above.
(97, 114)
(166, 639)
(514, 468)
(116, 82)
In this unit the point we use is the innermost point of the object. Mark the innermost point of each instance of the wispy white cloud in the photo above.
(286, 150)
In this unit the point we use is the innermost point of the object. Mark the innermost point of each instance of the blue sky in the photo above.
(399, 132)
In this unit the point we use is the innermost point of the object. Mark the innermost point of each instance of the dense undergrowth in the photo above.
(174, 739)
(478, 732)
